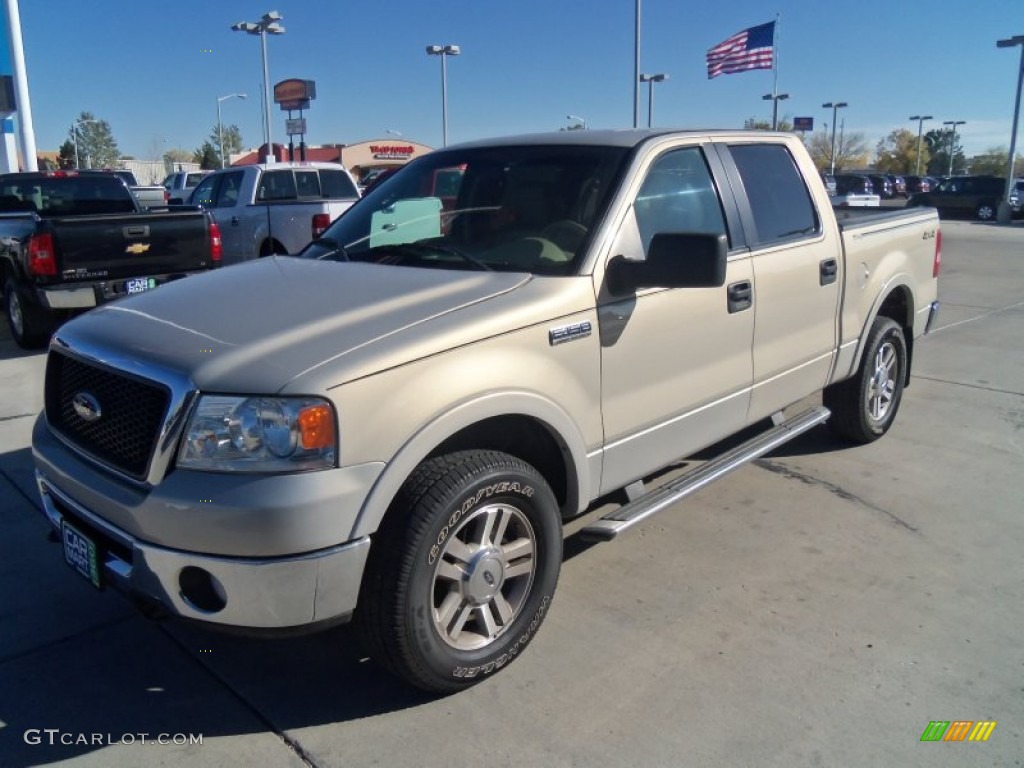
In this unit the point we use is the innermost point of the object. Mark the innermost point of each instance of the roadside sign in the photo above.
(294, 127)
(803, 123)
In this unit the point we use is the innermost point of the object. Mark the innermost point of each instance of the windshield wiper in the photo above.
(338, 251)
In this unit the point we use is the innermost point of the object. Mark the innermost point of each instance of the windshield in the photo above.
(516, 209)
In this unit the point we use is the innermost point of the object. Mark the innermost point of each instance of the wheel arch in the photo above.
(524, 425)
(898, 305)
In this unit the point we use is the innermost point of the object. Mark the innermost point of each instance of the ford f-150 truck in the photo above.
(394, 426)
(72, 240)
(274, 209)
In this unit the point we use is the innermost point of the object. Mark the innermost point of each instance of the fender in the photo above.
(896, 282)
(463, 415)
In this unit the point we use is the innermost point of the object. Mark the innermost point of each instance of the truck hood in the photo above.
(257, 326)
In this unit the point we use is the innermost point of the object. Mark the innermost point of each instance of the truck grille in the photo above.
(131, 412)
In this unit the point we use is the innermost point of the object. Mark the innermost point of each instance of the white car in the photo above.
(179, 185)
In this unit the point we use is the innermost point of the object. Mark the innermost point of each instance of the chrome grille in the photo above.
(131, 411)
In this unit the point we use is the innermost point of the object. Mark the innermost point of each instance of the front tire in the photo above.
(986, 212)
(462, 570)
(864, 406)
(31, 326)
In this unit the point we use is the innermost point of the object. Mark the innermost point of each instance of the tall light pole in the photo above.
(636, 66)
(444, 51)
(582, 120)
(1004, 206)
(74, 136)
(920, 127)
(952, 141)
(268, 25)
(835, 107)
(220, 130)
(651, 80)
(775, 99)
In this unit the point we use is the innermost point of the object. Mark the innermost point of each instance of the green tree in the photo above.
(232, 142)
(995, 160)
(851, 150)
(97, 147)
(938, 140)
(207, 157)
(66, 155)
(897, 153)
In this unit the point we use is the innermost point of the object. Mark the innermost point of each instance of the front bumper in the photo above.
(256, 593)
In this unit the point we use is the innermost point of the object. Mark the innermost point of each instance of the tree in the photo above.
(851, 150)
(755, 124)
(232, 142)
(938, 143)
(207, 157)
(994, 160)
(97, 147)
(66, 156)
(174, 156)
(897, 153)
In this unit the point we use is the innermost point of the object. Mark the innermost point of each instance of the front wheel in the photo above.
(462, 571)
(864, 406)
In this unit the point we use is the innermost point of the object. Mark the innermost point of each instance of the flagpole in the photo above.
(636, 67)
(775, 73)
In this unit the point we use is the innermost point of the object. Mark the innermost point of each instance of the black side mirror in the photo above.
(674, 260)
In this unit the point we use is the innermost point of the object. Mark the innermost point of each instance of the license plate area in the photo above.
(139, 284)
(81, 554)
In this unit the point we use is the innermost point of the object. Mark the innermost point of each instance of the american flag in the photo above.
(750, 49)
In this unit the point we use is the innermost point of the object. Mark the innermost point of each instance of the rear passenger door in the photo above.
(798, 270)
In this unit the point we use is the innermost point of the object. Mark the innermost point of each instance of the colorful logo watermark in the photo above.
(958, 730)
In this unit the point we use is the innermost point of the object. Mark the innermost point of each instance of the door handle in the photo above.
(740, 296)
(828, 270)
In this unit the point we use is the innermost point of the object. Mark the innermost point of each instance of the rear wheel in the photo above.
(462, 571)
(864, 406)
(30, 324)
(272, 248)
(986, 212)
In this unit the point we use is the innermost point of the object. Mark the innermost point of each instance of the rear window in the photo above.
(66, 196)
(337, 184)
(193, 178)
(277, 185)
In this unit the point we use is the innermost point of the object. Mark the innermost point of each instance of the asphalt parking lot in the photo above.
(817, 608)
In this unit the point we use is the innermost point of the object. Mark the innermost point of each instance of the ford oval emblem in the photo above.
(87, 407)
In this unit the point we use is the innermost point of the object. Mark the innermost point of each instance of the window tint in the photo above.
(193, 178)
(678, 195)
(337, 185)
(778, 196)
(277, 185)
(203, 193)
(227, 194)
(307, 184)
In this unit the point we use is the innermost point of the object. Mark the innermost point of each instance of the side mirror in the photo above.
(674, 260)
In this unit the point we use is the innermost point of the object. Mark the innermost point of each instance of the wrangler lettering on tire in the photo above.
(462, 571)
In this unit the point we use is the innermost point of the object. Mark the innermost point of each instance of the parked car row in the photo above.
(975, 197)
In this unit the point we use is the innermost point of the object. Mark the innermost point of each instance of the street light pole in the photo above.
(775, 99)
(267, 25)
(834, 106)
(651, 80)
(920, 127)
(444, 51)
(1004, 206)
(636, 66)
(220, 131)
(952, 141)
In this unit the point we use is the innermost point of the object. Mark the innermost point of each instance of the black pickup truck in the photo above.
(72, 240)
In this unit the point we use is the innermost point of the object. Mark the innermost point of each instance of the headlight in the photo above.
(259, 434)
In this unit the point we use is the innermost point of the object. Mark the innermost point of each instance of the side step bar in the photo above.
(637, 510)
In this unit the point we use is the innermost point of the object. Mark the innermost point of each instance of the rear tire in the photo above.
(986, 212)
(31, 325)
(864, 406)
(462, 570)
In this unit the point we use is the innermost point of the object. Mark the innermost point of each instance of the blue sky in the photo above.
(154, 70)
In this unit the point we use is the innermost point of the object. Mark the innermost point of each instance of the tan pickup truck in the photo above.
(394, 425)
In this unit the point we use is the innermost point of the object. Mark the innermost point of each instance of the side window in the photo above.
(678, 195)
(276, 185)
(778, 197)
(307, 184)
(203, 193)
(230, 185)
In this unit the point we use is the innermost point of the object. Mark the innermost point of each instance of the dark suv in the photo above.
(971, 196)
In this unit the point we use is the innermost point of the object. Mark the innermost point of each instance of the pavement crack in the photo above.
(16, 416)
(970, 386)
(836, 490)
(288, 741)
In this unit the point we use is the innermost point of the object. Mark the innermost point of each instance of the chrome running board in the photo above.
(637, 510)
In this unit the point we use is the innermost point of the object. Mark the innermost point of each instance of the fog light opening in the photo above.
(201, 590)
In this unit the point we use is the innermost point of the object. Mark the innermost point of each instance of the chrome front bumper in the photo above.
(264, 593)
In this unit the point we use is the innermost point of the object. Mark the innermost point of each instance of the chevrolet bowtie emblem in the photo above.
(137, 248)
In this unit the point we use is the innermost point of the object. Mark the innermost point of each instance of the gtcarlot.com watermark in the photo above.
(55, 736)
